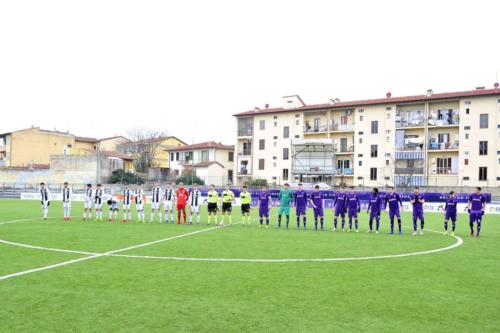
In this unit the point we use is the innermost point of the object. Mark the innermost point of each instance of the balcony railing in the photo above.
(243, 171)
(443, 146)
(409, 171)
(345, 171)
(444, 171)
(342, 127)
(245, 132)
(315, 129)
(443, 122)
(245, 152)
(411, 147)
(344, 150)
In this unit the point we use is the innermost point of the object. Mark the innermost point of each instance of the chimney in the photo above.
(429, 92)
(256, 109)
(480, 88)
(388, 95)
(266, 106)
(496, 85)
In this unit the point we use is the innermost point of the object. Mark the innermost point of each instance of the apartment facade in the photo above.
(434, 139)
(36, 146)
(211, 161)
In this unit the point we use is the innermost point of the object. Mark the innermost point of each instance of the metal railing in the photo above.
(409, 171)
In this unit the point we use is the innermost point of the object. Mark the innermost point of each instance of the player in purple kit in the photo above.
(476, 206)
(393, 202)
(264, 206)
(353, 208)
(340, 205)
(300, 201)
(317, 204)
(417, 201)
(450, 213)
(374, 209)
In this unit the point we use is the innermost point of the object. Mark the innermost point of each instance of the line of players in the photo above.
(345, 203)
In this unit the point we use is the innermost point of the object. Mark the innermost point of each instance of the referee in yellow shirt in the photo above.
(213, 200)
(227, 204)
(245, 200)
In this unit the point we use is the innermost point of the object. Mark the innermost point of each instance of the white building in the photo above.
(211, 161)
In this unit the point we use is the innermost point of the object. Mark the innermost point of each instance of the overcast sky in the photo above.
(98, 68)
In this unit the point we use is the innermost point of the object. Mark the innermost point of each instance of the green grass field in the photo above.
(457, 290)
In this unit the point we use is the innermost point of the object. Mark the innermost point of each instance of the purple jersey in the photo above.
(353, 202)
(317, 199)
(417, 205)
(451, 206)
(393, 201)
(264, 199)
(300, 198)
(374, 205)
(340, 202)
(476, 202)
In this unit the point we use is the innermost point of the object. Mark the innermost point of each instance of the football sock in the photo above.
(260, 221)
(478, 227)
(421, 224)
(350, 223)
(287, 220)
(322, 221)
(267, 221)
(279, 220)
(392, 225)
(298, 221)
(414, 224)
(304, 220)
(371, 224)
(453, 225)
(446, 225)
(378, 224)
(471, 224)
(335, 223)
(343, 223)
(399, 225)
(356, 223)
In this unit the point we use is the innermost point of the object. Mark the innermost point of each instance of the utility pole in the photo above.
(98, 164)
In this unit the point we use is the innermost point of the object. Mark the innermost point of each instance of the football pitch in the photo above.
(71, 276)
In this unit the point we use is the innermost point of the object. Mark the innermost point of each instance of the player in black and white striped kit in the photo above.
(168, 203)
(126, 201)
(139, 204)
(44, 200)
(88, 202)
(66, 194)
(98, 201)
(156, 197)
(194, 203)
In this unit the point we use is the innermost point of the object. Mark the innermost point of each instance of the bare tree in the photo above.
(146, 145)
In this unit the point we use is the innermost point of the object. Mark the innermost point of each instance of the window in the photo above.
(297, 122)
(388, 115)
(188, 156)
(230, 175)
(297, 137)
(286, 132)
(172, 156)
(360, 140)
(275, 158)
(274, 164)
(374, 151)
(360, 133)
(483, 120)
(373, 173)
(467, 128)
(360, 118)
(297, 115)
(360, 155)
(388, 132)
(443, 165)
(177, 156)
(387, 154)
(230, 156)
(285, 154)
(285, 174)
(388, 139)
(374, 126)
(275, 124)
(363, 110)
(388, 108)
(467, 111)
(466, 178)
(275, 144)
(343, 145)
(262, 144)
(483, 147)
(483, 173)
(360, 163)
(275, 117)
(262, 125)
(204, 155)
(467, 136)
(275, 137)
(467, 103)
(261, 164)
(466, 161)
(386, 162)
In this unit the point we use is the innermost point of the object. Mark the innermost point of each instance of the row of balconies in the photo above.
(325, 128)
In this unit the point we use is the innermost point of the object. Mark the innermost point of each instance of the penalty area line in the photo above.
(92, 256)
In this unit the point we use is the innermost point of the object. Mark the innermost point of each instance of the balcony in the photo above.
(344, 150)
(244, 172)
(345, 172)
(409, 171)
(410, 155)
(443, 171)
(440, 146)
(342, 127)
(444, 117)
(245, 152)
(410, 119)
(245, 132)
(315, 129)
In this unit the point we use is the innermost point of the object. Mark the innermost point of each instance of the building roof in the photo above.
(41, 130)
(203, 164)
(160, 138)
(86, 139)
(203, 145)
(109, 153)
(385, 100)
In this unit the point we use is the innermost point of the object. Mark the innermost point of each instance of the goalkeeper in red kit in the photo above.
(182, 198)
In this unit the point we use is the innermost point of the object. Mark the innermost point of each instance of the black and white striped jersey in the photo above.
(138, 197)
(195, 198)
(44, 194)
(66, 194)
(156, 195)
(89, 194)
(98, 197)
(169, 195)
(127, 196)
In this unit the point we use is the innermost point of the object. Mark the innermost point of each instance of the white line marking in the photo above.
(15, 221)
(459, 242)
(97, 255)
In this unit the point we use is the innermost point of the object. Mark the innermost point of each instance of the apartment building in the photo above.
(32, 146)
(448, 139)
(211, 161)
